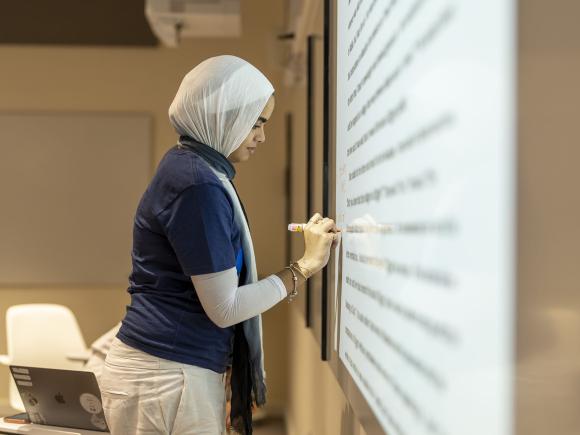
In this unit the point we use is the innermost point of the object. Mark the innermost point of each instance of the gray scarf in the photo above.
(248, 375)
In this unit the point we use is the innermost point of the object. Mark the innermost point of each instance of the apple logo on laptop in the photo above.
(59, 398)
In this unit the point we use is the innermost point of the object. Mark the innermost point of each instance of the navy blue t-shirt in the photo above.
(184, 226)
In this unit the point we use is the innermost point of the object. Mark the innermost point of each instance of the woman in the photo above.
(195, 297)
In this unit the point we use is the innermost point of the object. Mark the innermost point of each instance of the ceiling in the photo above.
(75, 22)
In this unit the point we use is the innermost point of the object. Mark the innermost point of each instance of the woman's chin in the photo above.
(248, 154)
(242, 156)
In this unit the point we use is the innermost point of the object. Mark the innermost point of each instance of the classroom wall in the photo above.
(52, 78)
(548, 324)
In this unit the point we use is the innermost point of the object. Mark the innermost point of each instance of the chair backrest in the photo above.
(42, 335)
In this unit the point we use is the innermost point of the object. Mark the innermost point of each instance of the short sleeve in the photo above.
(198, 225)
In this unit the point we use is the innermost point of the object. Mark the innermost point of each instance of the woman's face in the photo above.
(256, 136)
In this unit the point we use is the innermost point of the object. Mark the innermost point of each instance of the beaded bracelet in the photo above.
(302, 270)
(294, 291)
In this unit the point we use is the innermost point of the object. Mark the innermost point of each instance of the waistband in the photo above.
(123, 355)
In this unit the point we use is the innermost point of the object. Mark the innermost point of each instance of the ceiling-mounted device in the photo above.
(173, 20)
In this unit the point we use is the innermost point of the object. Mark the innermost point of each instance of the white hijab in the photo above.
(219, 101)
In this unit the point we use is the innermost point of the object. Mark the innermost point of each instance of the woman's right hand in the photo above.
(319, 235)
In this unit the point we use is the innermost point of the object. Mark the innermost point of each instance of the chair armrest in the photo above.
(79, 356)
(5, 360)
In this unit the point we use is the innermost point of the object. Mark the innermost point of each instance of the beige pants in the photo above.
(144, 394)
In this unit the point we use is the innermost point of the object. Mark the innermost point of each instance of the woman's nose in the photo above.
(260, 135)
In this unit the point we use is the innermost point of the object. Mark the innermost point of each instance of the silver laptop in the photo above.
(66, 398)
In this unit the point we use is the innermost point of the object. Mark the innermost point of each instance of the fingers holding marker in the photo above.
(327, 225)
(315, 221)
(315, 218)
(336, 239)
(334, 228)
(320, 234)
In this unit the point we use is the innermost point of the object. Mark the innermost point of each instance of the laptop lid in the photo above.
(67, 398)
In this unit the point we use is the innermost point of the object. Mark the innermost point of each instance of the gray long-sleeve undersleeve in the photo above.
(227, 304)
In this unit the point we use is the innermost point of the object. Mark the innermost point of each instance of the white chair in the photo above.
(42, 335)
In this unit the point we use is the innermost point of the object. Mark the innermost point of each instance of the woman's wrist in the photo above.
(292, 278)
(307, 268)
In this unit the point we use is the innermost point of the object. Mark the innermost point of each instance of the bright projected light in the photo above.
(425, 175)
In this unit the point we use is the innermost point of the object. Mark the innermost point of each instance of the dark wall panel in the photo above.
(75, 22)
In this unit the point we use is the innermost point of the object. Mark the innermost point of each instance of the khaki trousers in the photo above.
(143, 394)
